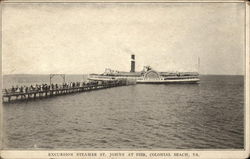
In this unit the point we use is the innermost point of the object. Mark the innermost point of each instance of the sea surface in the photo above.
(209, 115)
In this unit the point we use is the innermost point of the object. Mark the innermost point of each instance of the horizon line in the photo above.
(99, 73)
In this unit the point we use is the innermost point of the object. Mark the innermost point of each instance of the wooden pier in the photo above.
(9, 96)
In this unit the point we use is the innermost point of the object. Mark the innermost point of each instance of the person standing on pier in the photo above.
(21, 89)
(17, 89)
(31, 88)
(12, 89)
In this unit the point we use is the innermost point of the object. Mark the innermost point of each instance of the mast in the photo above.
(198, 69)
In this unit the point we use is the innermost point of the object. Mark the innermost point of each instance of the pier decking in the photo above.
(9, 96)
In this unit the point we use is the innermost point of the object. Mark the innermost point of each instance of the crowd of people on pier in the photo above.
(48, 87)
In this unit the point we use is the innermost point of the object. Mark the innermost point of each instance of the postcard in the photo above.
(125, 79)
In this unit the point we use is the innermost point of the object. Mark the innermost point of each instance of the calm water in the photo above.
(207, 115)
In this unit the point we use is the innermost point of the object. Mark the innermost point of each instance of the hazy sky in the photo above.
(87, 38)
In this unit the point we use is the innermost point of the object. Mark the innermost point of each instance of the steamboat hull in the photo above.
(176, 81)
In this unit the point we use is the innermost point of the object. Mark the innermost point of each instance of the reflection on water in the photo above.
(206, 115)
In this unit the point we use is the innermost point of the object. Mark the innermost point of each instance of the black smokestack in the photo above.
(132, 63)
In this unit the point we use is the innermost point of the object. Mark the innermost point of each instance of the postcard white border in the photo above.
(202, 153)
